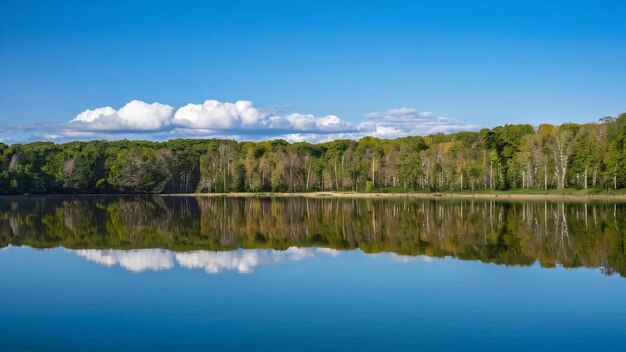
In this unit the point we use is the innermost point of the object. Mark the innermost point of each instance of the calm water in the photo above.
(184, 273)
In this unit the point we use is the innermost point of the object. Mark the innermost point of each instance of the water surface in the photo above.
(171, 273)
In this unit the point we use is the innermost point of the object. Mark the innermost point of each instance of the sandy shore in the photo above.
(570, 197)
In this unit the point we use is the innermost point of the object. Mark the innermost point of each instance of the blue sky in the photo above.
(311, 70)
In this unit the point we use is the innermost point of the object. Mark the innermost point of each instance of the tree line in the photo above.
(509, 157)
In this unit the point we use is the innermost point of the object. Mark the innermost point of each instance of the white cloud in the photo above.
(88, 116)
(393, 123)
(310, 123)
(239, 120)
(242, 116)
(213, 114)
(134, 116)
(407, 122)
(318, 137)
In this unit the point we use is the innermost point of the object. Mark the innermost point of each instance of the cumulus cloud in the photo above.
(242, 117)
(239, 120)
(134, 116)
(213, 114)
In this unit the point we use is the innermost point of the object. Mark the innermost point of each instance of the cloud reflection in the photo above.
(400, 258)
(136, 260)
(242, 260)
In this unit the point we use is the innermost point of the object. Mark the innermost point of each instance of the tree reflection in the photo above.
(512, 233)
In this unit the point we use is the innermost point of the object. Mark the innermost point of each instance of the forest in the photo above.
(510, 157)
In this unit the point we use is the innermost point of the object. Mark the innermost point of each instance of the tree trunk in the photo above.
(491, 175)
(336, 177)
(373, 170)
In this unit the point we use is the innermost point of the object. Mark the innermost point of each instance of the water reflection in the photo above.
(121, 230)
(213, 262)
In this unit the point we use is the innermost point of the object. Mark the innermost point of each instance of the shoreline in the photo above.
(347, 195)
(586, 197)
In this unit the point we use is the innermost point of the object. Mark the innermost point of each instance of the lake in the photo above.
(249, 273)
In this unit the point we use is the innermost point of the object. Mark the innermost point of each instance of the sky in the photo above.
(304, 70)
